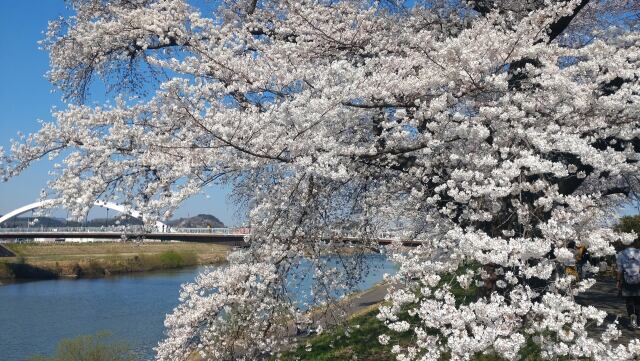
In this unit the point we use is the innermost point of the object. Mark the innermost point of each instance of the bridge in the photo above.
(47, 203)
(234, 237)
(158, 232)
(227, 236)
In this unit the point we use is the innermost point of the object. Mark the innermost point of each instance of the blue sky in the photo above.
(26, 96)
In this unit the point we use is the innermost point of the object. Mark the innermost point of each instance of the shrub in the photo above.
(99, 347)
(630, 224)
(165, 260)
(173, 259)
(5, 271)
(92, 268)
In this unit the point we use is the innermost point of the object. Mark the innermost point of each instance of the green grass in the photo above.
(99, 347)
(53, 260)
(358, 339)
(361, 343)
(74, 250)
(173, 259)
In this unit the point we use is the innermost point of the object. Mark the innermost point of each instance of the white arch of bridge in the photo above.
(50, 202)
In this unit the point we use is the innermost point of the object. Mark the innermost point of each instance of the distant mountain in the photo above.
(23, 222)
(117, 221)
(199, 221)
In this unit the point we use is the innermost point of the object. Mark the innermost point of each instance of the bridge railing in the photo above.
(201, 230)
(109, 229)
(141, 230)
(123, 229)
(221, 231)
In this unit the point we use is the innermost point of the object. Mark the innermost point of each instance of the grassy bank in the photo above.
(358, 340)
(55, 260)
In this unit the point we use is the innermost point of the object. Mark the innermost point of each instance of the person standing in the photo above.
(628, 281)
(582, 259)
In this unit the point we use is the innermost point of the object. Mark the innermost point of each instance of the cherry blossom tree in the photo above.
(493, 133)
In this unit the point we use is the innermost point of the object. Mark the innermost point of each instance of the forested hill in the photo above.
(199, 221)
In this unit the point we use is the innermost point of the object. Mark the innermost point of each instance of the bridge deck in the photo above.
(230, 239)
(221, 238)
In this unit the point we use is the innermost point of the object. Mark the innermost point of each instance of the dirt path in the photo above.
(604, 296)
(354, 305)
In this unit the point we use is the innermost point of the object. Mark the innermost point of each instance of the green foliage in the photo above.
(171, 259)
(629, 224)
(165, 260)
(99, 347)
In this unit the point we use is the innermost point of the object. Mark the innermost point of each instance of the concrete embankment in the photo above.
(5, 252)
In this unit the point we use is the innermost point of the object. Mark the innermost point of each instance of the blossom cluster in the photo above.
(494, 134)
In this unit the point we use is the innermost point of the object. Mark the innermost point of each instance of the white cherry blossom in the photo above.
(492, 132)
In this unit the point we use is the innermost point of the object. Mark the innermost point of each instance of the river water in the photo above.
(35, 316)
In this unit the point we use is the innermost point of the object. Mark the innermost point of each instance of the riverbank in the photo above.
(132, 307)
(357, 338)
(361, 305)
(99, 259)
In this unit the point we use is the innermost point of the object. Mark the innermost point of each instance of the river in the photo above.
(35, 316)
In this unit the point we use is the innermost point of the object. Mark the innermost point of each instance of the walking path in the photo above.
(353, 305)
(604, 296)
